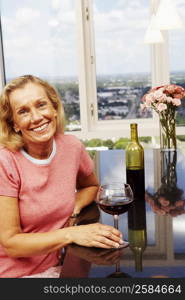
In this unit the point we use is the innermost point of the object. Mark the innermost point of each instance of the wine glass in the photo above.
(115, 199)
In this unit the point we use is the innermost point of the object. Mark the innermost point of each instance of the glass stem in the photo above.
(118, 266)
(116, 218)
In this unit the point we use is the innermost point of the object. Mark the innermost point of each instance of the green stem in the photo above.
(167, 120)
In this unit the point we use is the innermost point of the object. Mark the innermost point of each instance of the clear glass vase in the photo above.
(168, 138)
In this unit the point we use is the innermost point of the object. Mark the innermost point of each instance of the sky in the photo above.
(40, 37)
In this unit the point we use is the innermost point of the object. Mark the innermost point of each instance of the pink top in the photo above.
(46, 194)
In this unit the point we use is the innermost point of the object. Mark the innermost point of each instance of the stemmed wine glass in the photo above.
(115, 199)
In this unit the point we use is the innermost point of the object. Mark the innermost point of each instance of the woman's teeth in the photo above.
(41, 127)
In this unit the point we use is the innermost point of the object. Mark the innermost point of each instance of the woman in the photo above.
(45, 177)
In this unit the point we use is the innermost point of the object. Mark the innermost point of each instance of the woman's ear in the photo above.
(16, 128)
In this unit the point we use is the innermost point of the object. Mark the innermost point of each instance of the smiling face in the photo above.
(33, 114)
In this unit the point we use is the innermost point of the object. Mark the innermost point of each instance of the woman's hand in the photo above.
(96, 235)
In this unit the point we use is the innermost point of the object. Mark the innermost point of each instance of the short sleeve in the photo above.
(86, 165)
(9, 177)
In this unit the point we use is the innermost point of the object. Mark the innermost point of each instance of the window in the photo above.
(177, 62)
(122, 59)
(39, 38)
(94, 53)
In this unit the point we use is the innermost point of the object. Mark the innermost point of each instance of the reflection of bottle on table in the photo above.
(135, 164)
(137, 231)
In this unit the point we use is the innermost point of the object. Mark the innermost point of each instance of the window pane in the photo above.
(177, 61)
(39, 38)
(122, 58)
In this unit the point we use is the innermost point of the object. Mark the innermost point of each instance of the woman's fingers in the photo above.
(111, 235)
(111, 243)
(107, 236)
(110, 230)
(97, 235)
(104, 245)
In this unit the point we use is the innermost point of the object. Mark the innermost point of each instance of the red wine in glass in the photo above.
(115, 206)
(115, 199)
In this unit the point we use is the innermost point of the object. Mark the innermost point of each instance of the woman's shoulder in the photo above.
(4, 152)
(6, 155)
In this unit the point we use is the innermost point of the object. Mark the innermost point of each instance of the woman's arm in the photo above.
(87, 188)
(19, 244)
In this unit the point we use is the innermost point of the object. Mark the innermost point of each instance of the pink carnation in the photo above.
(158, 94)
(169, 99)
(148, 100)
(176, 101)
(170, 89)
(162, 97)
(161, 107)
(142, 106)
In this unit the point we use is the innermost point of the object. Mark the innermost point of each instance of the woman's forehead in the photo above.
(29, 92)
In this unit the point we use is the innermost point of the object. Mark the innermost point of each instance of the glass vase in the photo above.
(168, 139)
(168, 168)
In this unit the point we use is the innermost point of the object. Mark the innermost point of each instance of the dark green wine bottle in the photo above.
(134, 154)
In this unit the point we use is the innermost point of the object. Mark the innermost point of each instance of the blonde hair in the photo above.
(8, 137)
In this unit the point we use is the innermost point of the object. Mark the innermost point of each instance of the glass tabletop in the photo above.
(155, 227)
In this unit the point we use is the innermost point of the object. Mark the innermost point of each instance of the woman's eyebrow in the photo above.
(20, 107)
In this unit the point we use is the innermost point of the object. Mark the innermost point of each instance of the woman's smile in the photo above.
(41, 128)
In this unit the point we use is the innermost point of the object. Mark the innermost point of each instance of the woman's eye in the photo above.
(41, 104)
(22, 111)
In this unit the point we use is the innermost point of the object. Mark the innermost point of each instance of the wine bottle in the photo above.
(137, 235)
(135, 164)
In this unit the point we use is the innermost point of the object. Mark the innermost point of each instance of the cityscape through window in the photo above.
(122, 58)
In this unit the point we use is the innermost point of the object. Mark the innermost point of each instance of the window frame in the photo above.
(91, 126)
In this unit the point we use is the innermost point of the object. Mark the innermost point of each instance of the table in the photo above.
(159, 222)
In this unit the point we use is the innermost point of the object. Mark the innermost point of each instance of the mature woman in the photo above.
(45, 177)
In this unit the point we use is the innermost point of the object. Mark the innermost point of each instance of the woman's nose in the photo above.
(36, 116)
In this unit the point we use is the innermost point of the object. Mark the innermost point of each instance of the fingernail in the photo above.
(121, 241)
(117, 245)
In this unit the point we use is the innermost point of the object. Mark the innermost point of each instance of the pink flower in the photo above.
(169, 99)
(175, 90)
(149, 99)
(170, 89)
(179, 96)
(163, 97)
(158, 94)
(142, 106)
(176, 101)
(161, 106)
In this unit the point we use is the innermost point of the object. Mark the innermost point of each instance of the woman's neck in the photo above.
(39, 151)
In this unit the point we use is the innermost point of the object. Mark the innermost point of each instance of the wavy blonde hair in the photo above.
(8, 137)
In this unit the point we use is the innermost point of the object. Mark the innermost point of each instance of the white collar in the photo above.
(41, 161)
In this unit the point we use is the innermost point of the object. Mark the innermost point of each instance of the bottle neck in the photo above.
(134, 134)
